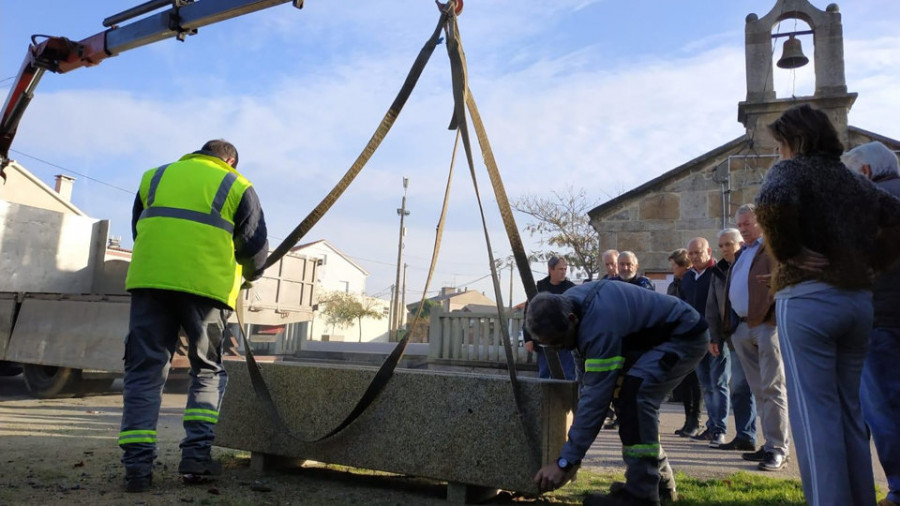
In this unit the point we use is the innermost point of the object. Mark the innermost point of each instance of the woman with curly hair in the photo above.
(828, 231)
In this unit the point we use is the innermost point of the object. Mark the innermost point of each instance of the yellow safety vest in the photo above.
(185, 233)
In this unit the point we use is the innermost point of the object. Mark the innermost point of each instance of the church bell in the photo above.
(792, 55)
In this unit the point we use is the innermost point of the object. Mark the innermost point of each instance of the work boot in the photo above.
(619, 498)
(136, 482)
(197, 467)
(666, 495)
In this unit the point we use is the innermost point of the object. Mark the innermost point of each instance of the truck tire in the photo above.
(95, 386)
(10, 368)
(48, 382)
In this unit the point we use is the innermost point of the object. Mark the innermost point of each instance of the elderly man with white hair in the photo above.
(880, 385)
(611, 262)
(628, 271)
(742, 402)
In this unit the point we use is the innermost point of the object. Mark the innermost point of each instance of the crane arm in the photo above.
(61, 55)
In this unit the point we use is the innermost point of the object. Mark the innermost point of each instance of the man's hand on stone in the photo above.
(551, 477)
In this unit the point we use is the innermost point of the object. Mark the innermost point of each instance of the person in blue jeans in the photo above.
(828, 230)
(714, 371)
(555, 283)
(880, 384)
(742, 400)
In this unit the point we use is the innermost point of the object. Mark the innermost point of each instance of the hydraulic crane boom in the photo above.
(60, 55)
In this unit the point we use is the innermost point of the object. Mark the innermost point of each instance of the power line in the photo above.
(60, 167)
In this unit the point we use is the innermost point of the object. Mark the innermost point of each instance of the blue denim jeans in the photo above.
(824, 335)
(878, 395)
(714, 374)
(742, 402)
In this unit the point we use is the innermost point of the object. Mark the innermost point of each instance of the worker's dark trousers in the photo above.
(156, 316)
(643, 388)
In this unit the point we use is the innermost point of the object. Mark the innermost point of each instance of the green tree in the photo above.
(561, 220)
(342, 309)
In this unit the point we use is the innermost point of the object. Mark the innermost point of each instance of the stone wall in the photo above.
(665, 217)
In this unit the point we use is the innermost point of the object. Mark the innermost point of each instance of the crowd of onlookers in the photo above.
(803, 308)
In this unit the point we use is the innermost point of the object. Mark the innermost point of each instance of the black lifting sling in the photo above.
(462, 101)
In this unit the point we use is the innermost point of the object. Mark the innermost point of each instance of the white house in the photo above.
(337, 272)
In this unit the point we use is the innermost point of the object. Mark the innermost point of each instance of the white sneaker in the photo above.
(718, 439)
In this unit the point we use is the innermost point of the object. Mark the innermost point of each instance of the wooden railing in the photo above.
(474, 339)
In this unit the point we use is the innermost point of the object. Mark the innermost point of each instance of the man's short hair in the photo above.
(876, 155)
(222, 149)
(553, 261)
(548, 317)
(731, 233)
(745, 209)
(611, 252)
(680, 257)
(631, 255)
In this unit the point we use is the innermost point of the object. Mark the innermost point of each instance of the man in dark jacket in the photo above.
(628, 271)
(633, 358)
(880, 386)
(714, 371)
(555, 282)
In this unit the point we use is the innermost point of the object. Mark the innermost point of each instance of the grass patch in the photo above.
(739, 489)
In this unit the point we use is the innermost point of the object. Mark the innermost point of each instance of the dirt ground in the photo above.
(63, 451)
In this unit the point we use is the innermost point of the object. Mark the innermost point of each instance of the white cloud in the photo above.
(555, 119)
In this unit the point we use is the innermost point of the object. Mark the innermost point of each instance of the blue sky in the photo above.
(599, 95)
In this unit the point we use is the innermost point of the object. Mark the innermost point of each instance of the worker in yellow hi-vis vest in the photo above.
(198, 232)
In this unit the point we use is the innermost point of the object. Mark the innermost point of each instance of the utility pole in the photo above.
(391, 314)
(510, 286)
(403, 297)
(395, 322)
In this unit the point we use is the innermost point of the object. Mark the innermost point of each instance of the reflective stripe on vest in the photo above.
(214, 218)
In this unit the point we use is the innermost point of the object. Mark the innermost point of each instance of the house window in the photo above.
(345, 285)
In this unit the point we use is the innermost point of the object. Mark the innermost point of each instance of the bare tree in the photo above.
(561, 221)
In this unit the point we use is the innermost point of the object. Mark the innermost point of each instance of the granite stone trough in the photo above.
(460, 428)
